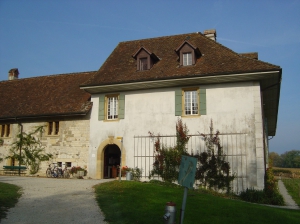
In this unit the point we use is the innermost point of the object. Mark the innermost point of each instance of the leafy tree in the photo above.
(32, 151)
(276, 159)
(167, 159)
(291, 159)
(213, 170)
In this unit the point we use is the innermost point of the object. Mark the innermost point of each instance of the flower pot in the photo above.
(128, 175)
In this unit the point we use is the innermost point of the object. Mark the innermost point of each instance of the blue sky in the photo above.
(54, 37)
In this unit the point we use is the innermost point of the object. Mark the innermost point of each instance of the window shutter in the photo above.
(121, 114)
(101, 111)
(202, 103)
(178, 102)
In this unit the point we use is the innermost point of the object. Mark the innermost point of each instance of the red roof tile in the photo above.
(44, 96)
(120, 66)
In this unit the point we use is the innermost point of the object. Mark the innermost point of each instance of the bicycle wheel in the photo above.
(48, 172)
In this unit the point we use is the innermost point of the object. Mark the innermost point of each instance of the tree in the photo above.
(276, 159)
(291, 159)
(28, 150)
(167, 159)
(213, 170)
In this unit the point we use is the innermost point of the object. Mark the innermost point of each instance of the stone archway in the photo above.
(111, 140)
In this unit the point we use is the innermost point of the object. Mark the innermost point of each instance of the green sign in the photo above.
(187, 171)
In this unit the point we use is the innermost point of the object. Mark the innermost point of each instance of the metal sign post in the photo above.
(186, 178)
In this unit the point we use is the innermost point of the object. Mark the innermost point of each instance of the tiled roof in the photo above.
(120, 66)
(44, 96)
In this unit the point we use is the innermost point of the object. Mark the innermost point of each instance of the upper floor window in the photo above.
(5, 130)
(187, 53)
(112, 107)
(187, 59)
(145, 59)
(53, 128)
(191, 102)
(143, 64)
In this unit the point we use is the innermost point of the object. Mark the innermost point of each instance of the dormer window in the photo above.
(187, 53)
(145, 59)
(143, 64)
(187, 59)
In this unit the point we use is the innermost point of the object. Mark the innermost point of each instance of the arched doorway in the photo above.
(111, 161)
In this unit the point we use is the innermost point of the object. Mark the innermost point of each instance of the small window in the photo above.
(53, 128)
(112, 107)
(56, 128)
(68, 164)
(5, 130)
(50, 128)
(59, 164)
(191, 102)
(187, 59)
(143, 64)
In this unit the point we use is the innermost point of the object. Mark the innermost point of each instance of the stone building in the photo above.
(55, 102)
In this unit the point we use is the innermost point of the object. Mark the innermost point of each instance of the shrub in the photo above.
(213, 170)
(270, 194)
(167, 159)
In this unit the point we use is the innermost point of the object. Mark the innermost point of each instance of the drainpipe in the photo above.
(20, 147)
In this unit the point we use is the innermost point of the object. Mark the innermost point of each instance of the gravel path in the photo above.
(50, 200)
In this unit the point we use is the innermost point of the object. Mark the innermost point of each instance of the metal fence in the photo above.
(234, 146)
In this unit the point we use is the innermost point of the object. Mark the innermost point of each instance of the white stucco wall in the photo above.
(234, 108)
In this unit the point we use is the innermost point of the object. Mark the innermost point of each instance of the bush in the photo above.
(270, 194)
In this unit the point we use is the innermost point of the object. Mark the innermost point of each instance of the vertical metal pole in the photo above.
(121, 159)
(183, 205)
(20, 148)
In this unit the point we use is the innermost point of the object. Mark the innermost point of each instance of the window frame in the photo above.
(5, 130)
(189, 60)
(191, 90)
(116, 107)
(53, 128)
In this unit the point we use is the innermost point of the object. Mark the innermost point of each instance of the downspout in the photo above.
(20, 146)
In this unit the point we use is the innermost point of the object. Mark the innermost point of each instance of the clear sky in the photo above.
(54, 37)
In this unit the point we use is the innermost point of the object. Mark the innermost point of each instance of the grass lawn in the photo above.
(293, 187)
(9, 195)
(137, 202)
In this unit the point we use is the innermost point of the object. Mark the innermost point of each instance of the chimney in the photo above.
(211, 34)
(13, 74)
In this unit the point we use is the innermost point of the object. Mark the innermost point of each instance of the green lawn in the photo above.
(9, 195)
(293, 187)
(137, 202)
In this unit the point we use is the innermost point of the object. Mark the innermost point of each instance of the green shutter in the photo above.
(202, 99)
(121, 114)
(178, 102)
(101, 111)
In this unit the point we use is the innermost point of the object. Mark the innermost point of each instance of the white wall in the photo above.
(234, 108)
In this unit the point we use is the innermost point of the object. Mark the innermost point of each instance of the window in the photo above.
(111, 107)
(53, 128)
(68, 164)
(190, 101)
(5, 130)
(143, 64)
(187, 59)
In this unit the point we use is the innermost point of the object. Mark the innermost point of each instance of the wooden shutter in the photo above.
(202, 99)
(178, 102)
(101, 111)
(121, 114)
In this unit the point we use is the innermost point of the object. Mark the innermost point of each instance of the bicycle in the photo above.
(53, 171)
(65, 172)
